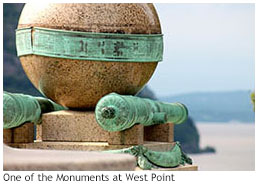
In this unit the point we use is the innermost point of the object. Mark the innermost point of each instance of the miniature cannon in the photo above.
(115, 112)
(20, 108)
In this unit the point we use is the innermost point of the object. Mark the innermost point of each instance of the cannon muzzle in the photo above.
(116, 112)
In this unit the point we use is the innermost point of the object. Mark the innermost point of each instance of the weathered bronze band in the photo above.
(89, 45)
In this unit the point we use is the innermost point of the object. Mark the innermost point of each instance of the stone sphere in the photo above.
(79, 84)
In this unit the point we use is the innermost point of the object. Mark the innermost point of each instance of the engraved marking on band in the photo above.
(89, 45)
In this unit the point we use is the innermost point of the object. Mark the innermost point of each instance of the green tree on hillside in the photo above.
(253, 99)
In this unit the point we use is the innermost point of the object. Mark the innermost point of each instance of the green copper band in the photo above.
(89, 45)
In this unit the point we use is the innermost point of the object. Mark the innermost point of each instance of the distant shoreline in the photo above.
(230, 122)
(234, 143)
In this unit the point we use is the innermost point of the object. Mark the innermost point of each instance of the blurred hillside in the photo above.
(14, 78)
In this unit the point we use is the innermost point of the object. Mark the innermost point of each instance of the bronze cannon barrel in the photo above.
(116, 112)
(20, 108)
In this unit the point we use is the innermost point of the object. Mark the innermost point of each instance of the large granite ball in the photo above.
(79, 84)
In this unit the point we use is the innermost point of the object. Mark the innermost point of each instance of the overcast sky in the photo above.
(207, 47)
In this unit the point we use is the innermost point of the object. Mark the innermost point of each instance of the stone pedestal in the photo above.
(161, 133)
(87, 146)
(33, 160)
(77, 130)
(22, 134)
(7, 136)
(76, 126)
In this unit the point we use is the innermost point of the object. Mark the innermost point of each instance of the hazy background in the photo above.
(208, 47)
(208, 60)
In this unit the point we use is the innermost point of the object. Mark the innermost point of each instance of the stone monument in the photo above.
(75, 55)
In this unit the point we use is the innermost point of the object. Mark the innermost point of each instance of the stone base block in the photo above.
(87, 146)
(22, 134)
(132, 136)
(101, 146)
(81, 126)
(161, 133)
(56, 160)
(7, 135)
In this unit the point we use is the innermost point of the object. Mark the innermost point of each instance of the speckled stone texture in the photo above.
(53, 160)
(77, 126)
(88, 146)
(7, 135)
(131, 136)
(84, 146)
(80, 84)
(22, 134)
(161, 133)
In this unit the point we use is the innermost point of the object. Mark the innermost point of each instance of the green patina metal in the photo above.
(20, 108)
(148, 159)
(116, 112)
(89, 45)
